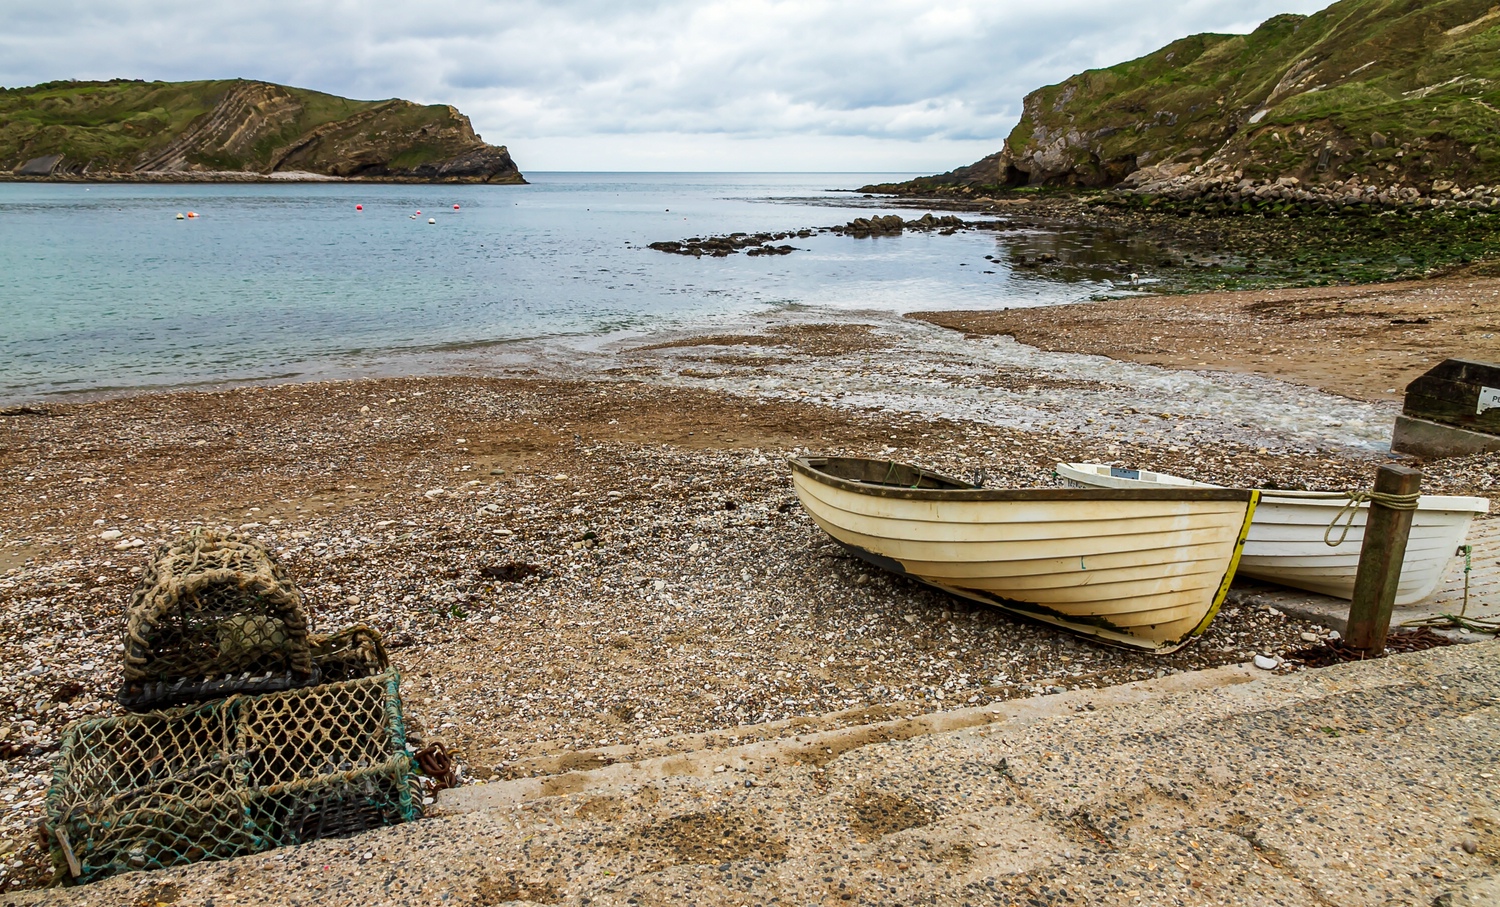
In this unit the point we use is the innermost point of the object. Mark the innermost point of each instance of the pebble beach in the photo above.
(601, 549)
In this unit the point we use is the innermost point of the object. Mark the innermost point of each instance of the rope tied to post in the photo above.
(1461, 620)
(1357, 499)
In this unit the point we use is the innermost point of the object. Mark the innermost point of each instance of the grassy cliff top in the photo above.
(1364, 79)
(122, 127)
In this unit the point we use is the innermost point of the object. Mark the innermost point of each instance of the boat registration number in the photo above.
(1489, 398)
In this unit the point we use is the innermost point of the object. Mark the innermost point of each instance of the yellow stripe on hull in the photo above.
(1147, 570)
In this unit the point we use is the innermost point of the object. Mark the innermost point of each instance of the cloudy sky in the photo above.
(874, 85)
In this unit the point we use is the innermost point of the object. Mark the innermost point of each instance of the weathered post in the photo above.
(1386, 531)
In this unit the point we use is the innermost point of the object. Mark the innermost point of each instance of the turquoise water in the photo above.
(101, 287)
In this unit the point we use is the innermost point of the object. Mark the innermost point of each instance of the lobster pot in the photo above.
(229, 777)
(351, 653)
(213, 614)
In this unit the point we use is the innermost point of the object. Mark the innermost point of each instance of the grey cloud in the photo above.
(943, 75)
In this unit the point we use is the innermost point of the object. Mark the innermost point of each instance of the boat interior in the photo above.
(884, 472)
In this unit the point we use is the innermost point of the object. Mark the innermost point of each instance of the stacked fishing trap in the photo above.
(213, 614)
(286, 736)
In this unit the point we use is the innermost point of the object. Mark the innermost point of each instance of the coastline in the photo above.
(211, 177)
(678, 587)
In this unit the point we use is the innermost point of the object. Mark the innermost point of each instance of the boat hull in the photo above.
(1286, 542)
(1141, 568)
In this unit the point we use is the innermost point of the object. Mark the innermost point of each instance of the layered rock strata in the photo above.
(236, 130)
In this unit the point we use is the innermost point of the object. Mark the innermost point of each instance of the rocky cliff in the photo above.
(235, 129)
(1403, 94)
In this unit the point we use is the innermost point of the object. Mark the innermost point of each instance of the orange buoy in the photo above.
(359, 207)
(192, 214)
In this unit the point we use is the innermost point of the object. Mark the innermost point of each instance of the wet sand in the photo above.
(1362, 342)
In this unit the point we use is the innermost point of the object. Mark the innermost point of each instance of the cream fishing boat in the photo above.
(1286, 543)
(1146, 568)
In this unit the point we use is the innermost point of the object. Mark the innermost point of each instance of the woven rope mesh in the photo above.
(229, 777)
(213, 614)
(355, 652)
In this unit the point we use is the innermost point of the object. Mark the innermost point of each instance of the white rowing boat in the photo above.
(1146, 568)
(1286, 543)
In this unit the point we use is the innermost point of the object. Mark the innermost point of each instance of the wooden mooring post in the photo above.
(1380, 558)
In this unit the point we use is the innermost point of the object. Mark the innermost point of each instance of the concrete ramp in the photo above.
(1364, 784)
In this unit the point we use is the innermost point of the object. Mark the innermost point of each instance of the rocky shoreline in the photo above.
(1232, 187)
(1274, 236)
(195, 177)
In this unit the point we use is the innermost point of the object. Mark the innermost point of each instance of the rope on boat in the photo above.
(890, 473)
(1460, 621)
(1351, 507)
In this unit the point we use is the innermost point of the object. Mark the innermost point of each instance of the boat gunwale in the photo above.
(964, 491)
(1288, 497)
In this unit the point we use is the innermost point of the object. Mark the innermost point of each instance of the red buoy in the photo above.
(455, 207)
(419, 212)
(359, 207)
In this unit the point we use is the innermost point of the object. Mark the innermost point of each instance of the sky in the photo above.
(918, 86)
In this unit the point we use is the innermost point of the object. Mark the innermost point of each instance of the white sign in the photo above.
(1489, 398)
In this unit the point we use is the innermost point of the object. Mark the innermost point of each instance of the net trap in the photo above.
(213, 614)
(229, 777)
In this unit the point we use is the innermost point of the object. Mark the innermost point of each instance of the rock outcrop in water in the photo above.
(235, 129)
(1400, 95)
(761, 243)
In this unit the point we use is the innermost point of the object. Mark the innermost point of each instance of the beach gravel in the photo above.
(606, 561)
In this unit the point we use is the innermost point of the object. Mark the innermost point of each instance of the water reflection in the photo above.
(1075, 256)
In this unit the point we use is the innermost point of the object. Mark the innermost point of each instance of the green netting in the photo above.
(229, 777)
(213, 614)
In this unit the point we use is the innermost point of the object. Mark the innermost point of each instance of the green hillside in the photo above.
(135, 129)
(1394, 91)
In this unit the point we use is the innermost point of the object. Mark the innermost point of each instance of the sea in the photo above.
(103, 288)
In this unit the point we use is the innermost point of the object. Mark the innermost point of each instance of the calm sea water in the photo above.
(101, 287)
